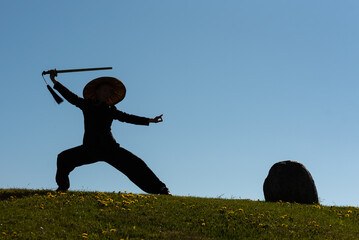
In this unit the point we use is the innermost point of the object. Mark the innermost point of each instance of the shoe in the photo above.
(61, 189)
(165, 191)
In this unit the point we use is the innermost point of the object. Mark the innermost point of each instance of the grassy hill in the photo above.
(41, 214)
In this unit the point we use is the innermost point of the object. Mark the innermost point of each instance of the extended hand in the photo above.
(157, 119)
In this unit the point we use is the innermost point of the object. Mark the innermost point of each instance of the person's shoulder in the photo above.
(114, 108)
(87, 103)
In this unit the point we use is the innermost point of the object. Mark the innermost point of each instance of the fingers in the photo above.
(159, 118)
(53, 74)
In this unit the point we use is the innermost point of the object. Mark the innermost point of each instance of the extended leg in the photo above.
(137, 171)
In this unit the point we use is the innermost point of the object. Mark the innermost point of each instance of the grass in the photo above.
(42, 214)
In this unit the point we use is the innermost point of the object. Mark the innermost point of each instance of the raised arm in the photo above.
(67, 94)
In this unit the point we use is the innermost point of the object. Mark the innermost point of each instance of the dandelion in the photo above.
(49, 195)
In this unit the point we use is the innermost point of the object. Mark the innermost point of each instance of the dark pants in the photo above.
(126, 162)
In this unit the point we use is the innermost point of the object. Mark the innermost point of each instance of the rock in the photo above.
(290, 181)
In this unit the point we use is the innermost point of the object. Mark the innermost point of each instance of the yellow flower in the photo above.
(104, 232)
(113, 230)
(349, 211)
(203, 224)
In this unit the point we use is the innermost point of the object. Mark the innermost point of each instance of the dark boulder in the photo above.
(290, 181)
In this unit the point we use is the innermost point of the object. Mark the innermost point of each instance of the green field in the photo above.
(42, 214)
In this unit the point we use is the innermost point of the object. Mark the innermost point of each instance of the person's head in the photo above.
(104, 92)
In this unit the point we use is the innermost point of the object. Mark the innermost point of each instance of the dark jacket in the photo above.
(98, 118)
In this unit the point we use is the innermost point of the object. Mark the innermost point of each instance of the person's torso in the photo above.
(98, 120)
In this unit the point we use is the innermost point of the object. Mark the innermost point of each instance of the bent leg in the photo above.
(137, 171)
(66, 162)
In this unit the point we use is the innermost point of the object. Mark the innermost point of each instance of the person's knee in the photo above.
(63, 161)
(61, 158)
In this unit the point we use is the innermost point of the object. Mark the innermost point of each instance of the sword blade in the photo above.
(83, 69)
(76, 70)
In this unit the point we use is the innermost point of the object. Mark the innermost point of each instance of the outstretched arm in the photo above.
(129, 118)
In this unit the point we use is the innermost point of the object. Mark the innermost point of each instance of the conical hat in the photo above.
(119, 89)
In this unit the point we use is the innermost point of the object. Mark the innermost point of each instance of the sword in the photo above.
(74, 70)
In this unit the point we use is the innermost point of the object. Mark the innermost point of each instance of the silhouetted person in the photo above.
(100, 96)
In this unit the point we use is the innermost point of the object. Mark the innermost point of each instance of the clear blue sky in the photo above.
(242, 85)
